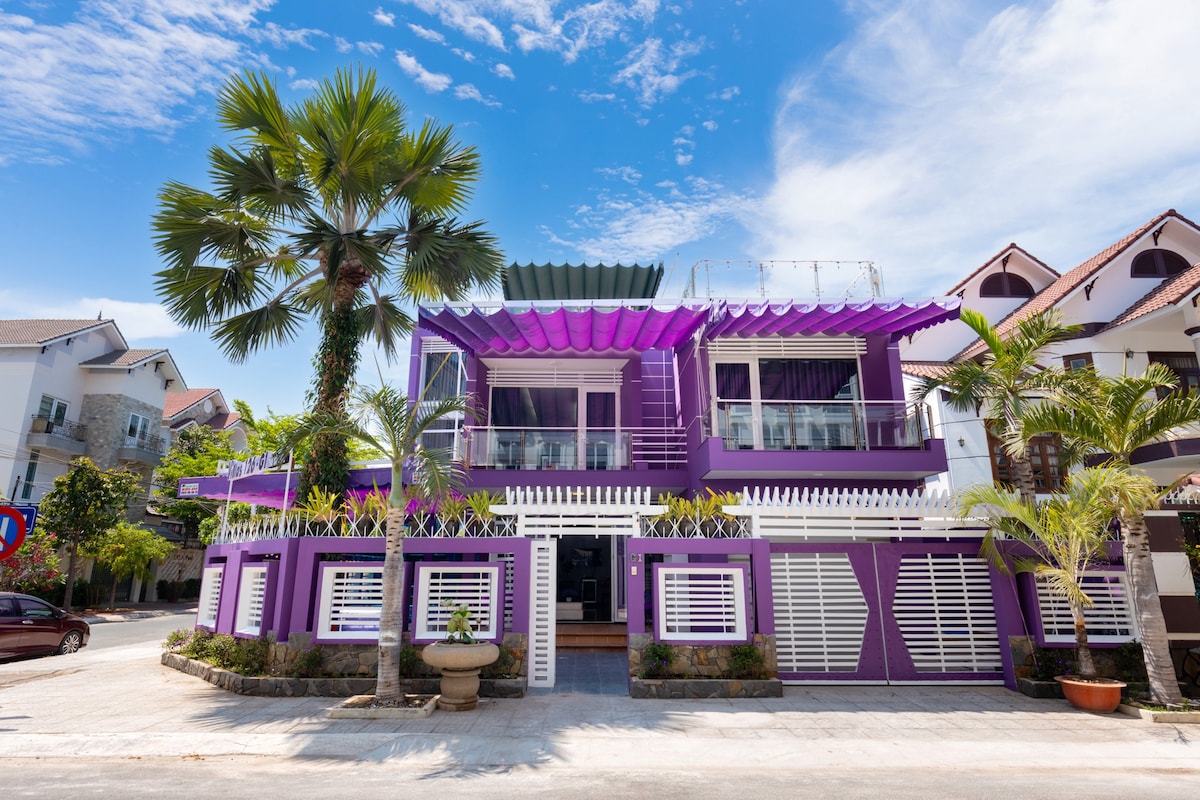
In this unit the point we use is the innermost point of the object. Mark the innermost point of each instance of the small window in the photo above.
(1077, 361)
(30, 474)
(1044, 459)
(52, 408)
(1005, 284)
(139, 427)
(1158, 263)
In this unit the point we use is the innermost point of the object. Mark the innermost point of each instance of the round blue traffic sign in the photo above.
(12, 531)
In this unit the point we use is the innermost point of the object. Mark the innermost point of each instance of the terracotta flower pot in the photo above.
(460, 665)
(1102, 695)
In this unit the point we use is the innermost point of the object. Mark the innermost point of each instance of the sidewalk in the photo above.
(128, 611)
(121, 703)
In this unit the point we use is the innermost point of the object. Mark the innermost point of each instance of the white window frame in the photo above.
(209, 606)
(1051, 606)
(480, 587)
(369, 576)
(669, 618)
(252, 598)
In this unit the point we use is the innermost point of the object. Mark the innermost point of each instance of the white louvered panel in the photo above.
(816, 346)
(943, 607)
(550, 379)
(1109, 620)
(210, 596)
(542, 612)
(820, 612)
(436, 344)
(442, 589)
(350, 603)
(701, 604)
(507, 559)
(251, 595)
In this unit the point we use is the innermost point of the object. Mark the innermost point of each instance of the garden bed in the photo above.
(697, 688)
(282, 686)
(413, 706)
(1174, 717)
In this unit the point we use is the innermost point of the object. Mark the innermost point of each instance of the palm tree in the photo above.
(1066, 535)
(330, 209)
(1001, 385)
(384, 420)
(1114, 416)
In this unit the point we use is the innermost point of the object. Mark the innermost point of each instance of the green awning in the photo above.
(581, 282)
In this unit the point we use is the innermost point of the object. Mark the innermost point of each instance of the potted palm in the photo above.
(1062, 537)
(459, 656)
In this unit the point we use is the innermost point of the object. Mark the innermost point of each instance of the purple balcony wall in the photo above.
(880, 370)
(711, 462)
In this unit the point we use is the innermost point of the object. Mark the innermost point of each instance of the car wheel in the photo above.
(71, 643)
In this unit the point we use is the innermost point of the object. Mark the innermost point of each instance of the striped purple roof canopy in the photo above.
(530, 328)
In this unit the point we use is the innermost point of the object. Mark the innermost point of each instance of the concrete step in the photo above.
(591, 636)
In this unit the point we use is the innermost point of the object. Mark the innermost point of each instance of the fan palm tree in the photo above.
(1114, 416)
(1001, 385)
(332, 209)
(1066, 535)
(384, 420)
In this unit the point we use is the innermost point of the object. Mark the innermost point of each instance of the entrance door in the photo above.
(584, 585)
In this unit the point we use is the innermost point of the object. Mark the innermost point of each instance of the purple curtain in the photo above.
(733, 381)
(804, 379)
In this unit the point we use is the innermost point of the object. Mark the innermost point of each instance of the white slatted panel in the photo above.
(210, 596)
(850, 515)
(820, 612)
(816, 346)
(475, 586)
(698, 604)
(943, 606)
(1109, 620)
(580, 510)
(508, 560)
(251, 593)
(542, 612)
(350, 603)
(524, 377)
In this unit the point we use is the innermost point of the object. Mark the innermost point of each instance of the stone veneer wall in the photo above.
(107, 419)
(1022, 654)
(705, 661)
(362, 660)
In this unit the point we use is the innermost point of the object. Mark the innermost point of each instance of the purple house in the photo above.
(597, 403)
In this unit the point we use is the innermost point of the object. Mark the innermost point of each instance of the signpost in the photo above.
(15, 523)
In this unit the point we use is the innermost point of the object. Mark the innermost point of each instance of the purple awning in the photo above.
(520, 329)
(267, 489)
(848, 317)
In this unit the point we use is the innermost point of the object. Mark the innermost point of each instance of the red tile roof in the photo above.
(121, 358)
(1167, 293)
(182, 401)
(1072, 280)
(924, 369)
(958, 287)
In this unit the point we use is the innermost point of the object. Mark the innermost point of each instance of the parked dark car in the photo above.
(30, 627)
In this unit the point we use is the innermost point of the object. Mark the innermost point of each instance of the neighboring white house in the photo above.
(203, 407)
(74, 388)
(1136, 302)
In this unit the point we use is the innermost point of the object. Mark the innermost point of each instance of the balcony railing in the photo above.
(56, 427)
(825, 425)
(147, 444)
(570, 448)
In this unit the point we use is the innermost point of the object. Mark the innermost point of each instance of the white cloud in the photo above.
(628, 174)
(284, 37)
(384, 18)
(429, 81)
(465, 55)
(369, 48)
(728, 93)
(596, 97)
(504, 71)
(467, 91)
(956, 134)
(683, 159)
(709, 125)
(427, 34)
(136, 321)
(621, 228)
(341, 45)
(114, 67)
(654, 70)
(466, 16)
(307, 84)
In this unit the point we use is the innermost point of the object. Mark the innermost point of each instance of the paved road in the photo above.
(114, 720)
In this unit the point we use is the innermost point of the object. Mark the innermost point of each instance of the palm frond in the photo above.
(267, 326)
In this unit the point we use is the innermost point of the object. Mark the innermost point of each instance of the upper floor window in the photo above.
(1185, 367)
(139, 427)
(443, 375)
(1044, 457)
(1158, 263)
(1005, 284)
(30, 475)
(52, 408)
(1077, 361)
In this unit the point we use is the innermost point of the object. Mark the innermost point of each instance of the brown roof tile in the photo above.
(122, 358)
(1167, 293)
(1066, 284)
(924, 369)
(1011, 246)
(181, 401)
(40, 331)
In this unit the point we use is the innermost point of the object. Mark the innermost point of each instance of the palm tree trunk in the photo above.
(1083, 653)
(327, 466)
(1160, 669)
(391, 616)
(1022, 475)
(69, 570)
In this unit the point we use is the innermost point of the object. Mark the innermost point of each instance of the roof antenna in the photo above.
(100, 316)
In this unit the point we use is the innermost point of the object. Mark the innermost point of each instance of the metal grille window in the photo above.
(351, 600)
(251, 596)
(443, 588)
(1109, 619)
(210, 597)
(820, 612)
(699, 604)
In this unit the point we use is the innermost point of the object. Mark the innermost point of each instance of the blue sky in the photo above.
(923, 136)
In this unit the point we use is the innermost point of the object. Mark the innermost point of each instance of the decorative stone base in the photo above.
(278, 686)
(1040, 690)
(1171, 717)
(693, 688)
(358, 707)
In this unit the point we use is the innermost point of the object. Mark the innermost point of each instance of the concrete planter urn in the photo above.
(460, 664)
(1101, 695)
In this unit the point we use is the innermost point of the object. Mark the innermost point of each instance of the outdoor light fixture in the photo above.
(962, 442)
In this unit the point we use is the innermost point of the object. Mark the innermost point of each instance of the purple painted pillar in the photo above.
(764, 594)
(231, 579)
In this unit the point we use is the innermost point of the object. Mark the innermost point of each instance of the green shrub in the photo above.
(1051, 661)
(243, 656)
(1130, 662)
(409, 662)
(746, 661)
(308, 662)
(656, 660)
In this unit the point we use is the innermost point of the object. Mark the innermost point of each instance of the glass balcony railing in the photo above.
(826, 425)
(571, 448)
